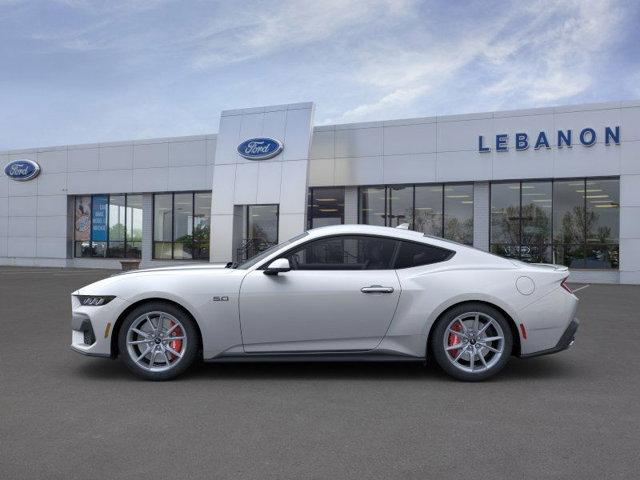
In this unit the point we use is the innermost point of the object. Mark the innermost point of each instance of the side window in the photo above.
(354, 252)
(415, 254)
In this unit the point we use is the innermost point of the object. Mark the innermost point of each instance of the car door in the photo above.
(340, 295)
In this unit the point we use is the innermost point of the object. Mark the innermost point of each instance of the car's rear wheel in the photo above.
(158, 341)
(472, 341)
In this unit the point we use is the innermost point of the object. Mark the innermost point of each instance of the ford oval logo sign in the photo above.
(22, 170)
(260, 148)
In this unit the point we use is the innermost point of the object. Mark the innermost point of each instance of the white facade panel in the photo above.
(21, 246)
(322, 145)
(359, 171)
(21, 206)
(151, 155)
(51, 205)
(269, 176)
(297, 135)
(630, 157)
(22, 227)
(150, 180)
(322, 172)
(83, 159)
(246, 191)
(51, 247)
(117, 157)
(463, 166)
(52, 226)
(102, 181)
(52, 183)
(191, 178)
(456, 136)
(408, 139)
(407, 168)
(358, 142)
(23, 189)
(53, 161)
(188, 153)
(630, 121)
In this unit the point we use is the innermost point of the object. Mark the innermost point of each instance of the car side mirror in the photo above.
(279, 265)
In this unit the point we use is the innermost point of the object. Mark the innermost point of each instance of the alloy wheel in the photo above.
(474, 342)
(156, 341)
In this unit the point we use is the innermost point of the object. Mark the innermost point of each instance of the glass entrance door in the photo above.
(261, 232)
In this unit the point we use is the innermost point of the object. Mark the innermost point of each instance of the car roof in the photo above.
(399, 233)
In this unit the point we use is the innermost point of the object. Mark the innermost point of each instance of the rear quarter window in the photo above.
(411, 254)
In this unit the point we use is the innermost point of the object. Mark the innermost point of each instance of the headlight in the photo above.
(94, 301)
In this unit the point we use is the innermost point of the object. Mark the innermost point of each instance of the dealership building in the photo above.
(554, 185)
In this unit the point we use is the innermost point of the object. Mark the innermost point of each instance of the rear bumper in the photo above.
(566, 340)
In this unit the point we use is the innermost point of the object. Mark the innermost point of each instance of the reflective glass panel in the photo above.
(117, 221)
(400, 206)
(536, 222)
(201, 225)
(326, 207)
(428, 209)
(182, 226)
(372, 206)
(134, 226)
(458, 213)
(262, 223)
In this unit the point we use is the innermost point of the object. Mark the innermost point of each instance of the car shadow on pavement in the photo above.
(515, 370)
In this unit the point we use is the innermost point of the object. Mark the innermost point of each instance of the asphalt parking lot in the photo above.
(62, 415)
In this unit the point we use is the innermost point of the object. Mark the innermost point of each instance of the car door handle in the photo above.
(376, 289)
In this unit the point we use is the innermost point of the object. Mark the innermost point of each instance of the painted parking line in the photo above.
(580, 288)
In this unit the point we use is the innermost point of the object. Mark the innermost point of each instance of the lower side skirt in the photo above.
(367, 356)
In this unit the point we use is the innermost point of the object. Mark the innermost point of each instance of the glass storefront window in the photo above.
(325, 207)
(569, 222)
(108, 226)
(134, 226)
(372, 206)
(428, 209)
(439, 210)
(201, 225)
(116, 226)
(458, 213)
(505, 219)
(536, 222)
(400, 206)
(162, 225)
(181, 225)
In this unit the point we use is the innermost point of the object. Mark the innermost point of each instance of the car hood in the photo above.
(122, 284)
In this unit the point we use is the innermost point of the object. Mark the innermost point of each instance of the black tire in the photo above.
(437, 345)
(190, 332)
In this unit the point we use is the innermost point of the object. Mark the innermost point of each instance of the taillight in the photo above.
(564, 285)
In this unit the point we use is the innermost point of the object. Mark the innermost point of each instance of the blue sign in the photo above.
(99, 205)
(587, 137)
(260, 148)
(22, 170)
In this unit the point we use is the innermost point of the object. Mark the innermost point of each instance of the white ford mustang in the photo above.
(350, 292)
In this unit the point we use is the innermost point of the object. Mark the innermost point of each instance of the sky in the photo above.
(80, 71)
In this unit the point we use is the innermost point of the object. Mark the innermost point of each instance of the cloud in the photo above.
(541, 53)
(288, 24)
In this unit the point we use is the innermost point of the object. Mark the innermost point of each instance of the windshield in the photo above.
(265, 253)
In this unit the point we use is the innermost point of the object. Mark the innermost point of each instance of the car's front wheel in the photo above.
(158, 341)
(472, 341)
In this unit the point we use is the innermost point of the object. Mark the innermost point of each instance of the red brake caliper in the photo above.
(175, 344)
(454, 339)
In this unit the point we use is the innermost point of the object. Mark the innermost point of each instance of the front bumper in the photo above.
(92, 327)
(566, 340)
